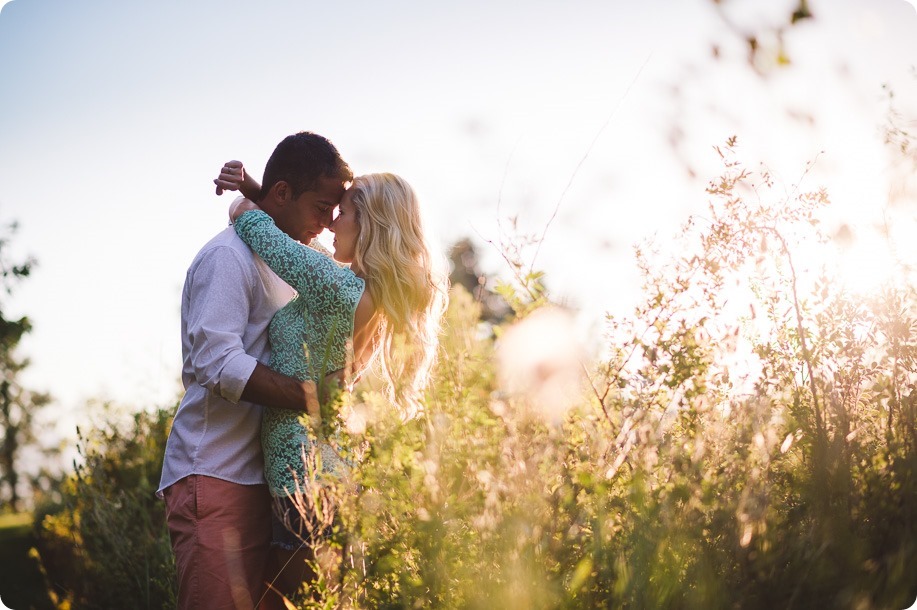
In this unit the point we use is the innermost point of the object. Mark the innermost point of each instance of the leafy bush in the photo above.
(106, 545)
(747, 441)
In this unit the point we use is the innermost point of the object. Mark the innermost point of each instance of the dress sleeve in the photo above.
(315, 276)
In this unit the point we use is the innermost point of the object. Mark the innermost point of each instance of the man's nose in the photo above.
(327, 220)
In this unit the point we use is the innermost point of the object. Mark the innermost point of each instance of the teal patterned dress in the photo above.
(309, 338)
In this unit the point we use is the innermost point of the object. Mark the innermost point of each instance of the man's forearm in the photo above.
(250, 188)
(271, 389)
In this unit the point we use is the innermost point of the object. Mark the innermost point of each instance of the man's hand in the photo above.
(269, 388)
(231, 177)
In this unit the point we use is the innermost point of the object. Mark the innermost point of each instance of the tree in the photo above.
(18, 405)
(463, 259)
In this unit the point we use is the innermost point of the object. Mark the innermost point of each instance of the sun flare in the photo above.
(865, 265)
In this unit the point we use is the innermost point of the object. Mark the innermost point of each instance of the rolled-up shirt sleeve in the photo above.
(220, 296)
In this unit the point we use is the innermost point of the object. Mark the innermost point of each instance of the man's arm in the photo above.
(220, 291)
(267, 387)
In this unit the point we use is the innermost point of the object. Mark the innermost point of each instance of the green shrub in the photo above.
(746, 440)
(106, 545)
(682, 477)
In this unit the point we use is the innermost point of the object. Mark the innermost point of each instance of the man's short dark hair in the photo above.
(300, 160)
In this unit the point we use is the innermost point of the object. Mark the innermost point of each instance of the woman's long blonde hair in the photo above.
(404, 279)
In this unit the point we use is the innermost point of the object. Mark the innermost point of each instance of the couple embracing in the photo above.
(265, 320)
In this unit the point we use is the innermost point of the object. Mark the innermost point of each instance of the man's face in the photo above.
(312, 212)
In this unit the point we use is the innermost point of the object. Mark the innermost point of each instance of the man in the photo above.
(217, 504)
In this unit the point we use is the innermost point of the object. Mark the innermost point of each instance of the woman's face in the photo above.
(346, 229)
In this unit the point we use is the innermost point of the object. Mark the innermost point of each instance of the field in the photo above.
(21, 582)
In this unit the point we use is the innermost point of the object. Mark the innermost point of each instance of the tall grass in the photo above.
(106, 545)
(747, 439)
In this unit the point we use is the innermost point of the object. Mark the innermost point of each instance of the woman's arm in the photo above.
(233, 177)
(315, 276)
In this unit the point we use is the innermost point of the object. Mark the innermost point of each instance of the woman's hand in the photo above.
(240, 206)
(231, 178)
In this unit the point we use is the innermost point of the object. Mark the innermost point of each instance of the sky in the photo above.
(116, 115)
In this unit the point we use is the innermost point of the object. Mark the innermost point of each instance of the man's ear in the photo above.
(281, 191)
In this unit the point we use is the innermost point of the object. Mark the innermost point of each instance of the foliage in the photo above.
(463, 259)
(747, 441)
(106, 545)
(18, 405)
(763, 39)
(22, 584)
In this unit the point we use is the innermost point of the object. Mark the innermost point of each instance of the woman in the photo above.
(390, 296)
